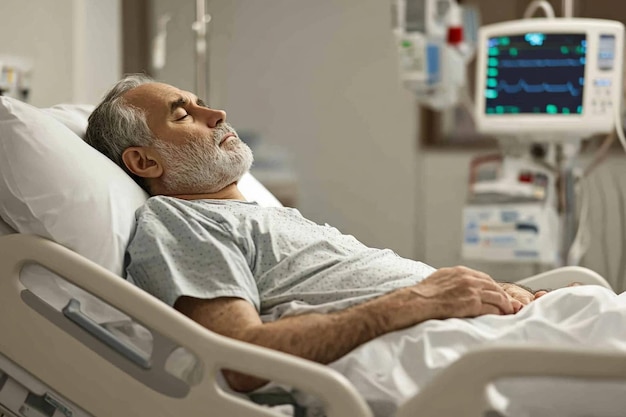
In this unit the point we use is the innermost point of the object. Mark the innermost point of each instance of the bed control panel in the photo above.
(20, 401)
(22, 395)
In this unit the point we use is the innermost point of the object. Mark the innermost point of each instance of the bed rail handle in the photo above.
(73, 312)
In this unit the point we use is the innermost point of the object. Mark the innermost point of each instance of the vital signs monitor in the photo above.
(548, 76)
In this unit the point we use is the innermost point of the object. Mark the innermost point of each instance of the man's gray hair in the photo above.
(115, 125)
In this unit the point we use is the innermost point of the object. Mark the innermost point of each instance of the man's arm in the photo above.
(324, 338)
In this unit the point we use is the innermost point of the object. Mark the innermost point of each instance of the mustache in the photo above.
(221, 130)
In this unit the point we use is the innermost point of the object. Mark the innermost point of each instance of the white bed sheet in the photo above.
(391, 369)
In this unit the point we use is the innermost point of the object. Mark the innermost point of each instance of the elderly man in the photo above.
(242, 270)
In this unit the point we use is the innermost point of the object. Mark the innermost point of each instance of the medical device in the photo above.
(15, 76)
(159, 43)
(552, 78)
(510, 214)
(538, 81)
(202, 68)
(435, 41)
(199, 26)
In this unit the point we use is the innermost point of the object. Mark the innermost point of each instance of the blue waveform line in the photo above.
(541, 63)
(538, 88)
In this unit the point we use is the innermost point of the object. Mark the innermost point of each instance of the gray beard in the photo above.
(201, 165)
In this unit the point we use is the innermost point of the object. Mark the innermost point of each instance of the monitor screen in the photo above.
(536, 73)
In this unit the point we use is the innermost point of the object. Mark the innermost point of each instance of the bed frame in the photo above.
(41, 347)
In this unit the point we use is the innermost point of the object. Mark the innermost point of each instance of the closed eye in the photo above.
(182, 118)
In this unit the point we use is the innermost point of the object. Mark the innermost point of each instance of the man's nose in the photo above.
(214, 117)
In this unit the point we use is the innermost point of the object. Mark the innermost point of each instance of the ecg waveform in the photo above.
(535, 73)
(538, 88)
(541, 63)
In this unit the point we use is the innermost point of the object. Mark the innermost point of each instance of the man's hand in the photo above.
(519, 296)
(460, 292)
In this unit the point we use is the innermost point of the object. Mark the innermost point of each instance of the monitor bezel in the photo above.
(521, 123)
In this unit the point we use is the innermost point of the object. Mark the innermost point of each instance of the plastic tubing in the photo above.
(539, 4)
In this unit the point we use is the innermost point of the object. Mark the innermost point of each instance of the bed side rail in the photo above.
(466, 380)
(86, 378)
(564, 276)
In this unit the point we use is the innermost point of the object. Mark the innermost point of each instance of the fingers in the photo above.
(518, 293)
(517, 305)
(498, 300)
(464, 292)
(522, 297)
(493, 296)
(489, 309)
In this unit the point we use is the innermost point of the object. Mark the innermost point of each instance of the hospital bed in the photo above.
(78, 340)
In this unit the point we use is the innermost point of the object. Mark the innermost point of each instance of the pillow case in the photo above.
(73, 116)
(55, 185)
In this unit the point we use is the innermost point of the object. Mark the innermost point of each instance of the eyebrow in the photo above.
(178, 103)
(182, 102)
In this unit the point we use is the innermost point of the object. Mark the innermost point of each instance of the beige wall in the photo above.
(42, 31)
(97, 48)
(73, 44)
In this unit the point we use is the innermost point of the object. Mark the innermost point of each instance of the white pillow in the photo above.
(55, 185)
(73, 116)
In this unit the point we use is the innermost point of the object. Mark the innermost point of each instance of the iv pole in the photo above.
(199, 26)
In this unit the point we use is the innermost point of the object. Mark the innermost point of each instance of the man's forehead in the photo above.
(155, 96)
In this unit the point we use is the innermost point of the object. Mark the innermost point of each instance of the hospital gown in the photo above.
(270, 256)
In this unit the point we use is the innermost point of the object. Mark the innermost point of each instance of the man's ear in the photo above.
(142, 162)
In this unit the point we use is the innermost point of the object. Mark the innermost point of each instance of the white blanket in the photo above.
(392, 368)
